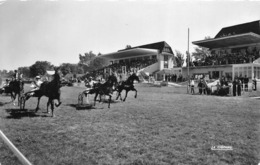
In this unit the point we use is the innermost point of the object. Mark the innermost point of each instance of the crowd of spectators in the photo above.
(124, 67)
(236, 56)
(174, 78)
(223, 86)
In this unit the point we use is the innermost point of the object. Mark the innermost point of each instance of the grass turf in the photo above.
(164, 125)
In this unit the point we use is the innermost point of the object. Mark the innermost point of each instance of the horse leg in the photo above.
(100, 98)
(135, 92)
(52, 108)
(109, 101)
(57, 105)
(37, 108)
(95, 98)
(14, 97)
(119, 94)
(126, 92)
(19, 98)
(48, 103)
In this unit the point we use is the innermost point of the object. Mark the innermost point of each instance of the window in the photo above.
(215, 74)
(165, 61)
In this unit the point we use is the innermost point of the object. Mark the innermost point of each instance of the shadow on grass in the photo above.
(18, 113)
(91, 105)
(82, 106)
(86, 106)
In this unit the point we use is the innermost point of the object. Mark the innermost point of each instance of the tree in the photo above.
(90, 62)
(65, 68)
(179, 58)
(40, 67)
(201, 53)
(10, 74)
(86, 58)
(25, 71)
(3, 73)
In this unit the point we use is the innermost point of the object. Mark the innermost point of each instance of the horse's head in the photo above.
(132, 78)
(112, 79)
(56, 78)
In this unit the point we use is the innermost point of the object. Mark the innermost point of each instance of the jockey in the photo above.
(35, 85)
(89, 83)
(16, 76)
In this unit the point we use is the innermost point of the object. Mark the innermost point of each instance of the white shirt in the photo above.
(192, 82)
(36, 84)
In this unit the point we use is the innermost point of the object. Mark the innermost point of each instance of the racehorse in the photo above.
(217, 89)
(127, 85)
(16, 88)
(49, 89)
(104, 89)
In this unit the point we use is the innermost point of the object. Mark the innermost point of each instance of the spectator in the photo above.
(239, 84)
(234, 86)
(192, 84)
(254, 84)
(246, 80)
(200, 86)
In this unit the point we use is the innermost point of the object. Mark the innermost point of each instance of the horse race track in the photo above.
(164, 125)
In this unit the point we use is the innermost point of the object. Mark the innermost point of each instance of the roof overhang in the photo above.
(130, 53)
(227, 41)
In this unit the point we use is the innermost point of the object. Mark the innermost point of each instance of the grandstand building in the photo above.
(235, 52)
(156, 59)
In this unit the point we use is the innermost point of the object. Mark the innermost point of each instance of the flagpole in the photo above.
(188, 60)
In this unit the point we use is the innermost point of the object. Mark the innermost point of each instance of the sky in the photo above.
(58, 31)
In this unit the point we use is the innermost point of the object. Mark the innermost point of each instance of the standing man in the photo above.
(246, 80)
(89, 84)
(234, 86)
(192, 84)
(200, 86)
(239, 84)
(254, 83)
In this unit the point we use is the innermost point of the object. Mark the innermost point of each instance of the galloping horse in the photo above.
(104, 89)
(16, 88)
(127, 85)
(50, 90)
